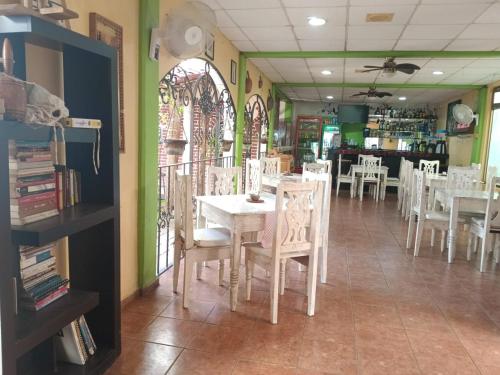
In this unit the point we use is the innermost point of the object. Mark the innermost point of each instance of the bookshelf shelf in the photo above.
(32, 328)
(20, 131)
(71, 220)
(96, 364)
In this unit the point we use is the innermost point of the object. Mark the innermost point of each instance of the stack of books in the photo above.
(74, 343)
(68, 187)
(41, 284)
(32, 182)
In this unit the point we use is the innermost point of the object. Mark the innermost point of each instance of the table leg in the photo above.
(452, 233)
(235, 269)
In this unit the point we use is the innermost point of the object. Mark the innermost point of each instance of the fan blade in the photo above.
(372, 66)
(366, 70)
(360, 94)
(381, 94)
(407, 68)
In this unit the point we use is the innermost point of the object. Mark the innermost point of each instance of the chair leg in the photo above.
(418, 238)
(433, 237)
(249, 266)
(411, 229)
(312, 277)
(475, 244)
(443, 240)
(484, 244)
(360, 187)
(275, 275)
(221, 272)
(199, 267)
(323, 254)
(338, 187)
(188, 273)
(469, 245)
(282, 276)
(177, 264)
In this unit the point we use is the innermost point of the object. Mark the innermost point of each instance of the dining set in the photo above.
(448, 202)
(273, 219)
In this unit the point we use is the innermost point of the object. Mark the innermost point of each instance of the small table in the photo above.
(238, 215)
(358, 168)
(460, 201)
(274, 181)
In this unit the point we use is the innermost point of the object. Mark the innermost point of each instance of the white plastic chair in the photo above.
(370, 174)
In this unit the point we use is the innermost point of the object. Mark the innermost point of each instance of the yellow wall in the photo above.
(125, 13)
(487, 130)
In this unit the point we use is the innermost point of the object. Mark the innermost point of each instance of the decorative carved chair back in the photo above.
(314, 167)
(371, 168)
(492, 216)
(419, 193)
(253, 176)
(223, 181)
(492, 172)
(183, 209)
(327, 193)
(362, 156)
(408, 175)
(429, 166)
(298, 211)
(463, 178)
(272, 166)
(327, 163)
(402, 171)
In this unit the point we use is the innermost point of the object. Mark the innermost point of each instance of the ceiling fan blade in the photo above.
(366, 70)
(381, 94)
(407, 68)
(373, 66)
(360, 94)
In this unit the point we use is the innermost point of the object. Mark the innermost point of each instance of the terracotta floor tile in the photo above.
(483, 352)
(170, 331)
(149, 305)
(370, 315)
(330, 357)
(197, 311)
(256, 368)
(395, 364)
(242, 317)
(446, 365)
(133, 323)
(438, 343)
(426, 318)
(193, 362)
(221, 339)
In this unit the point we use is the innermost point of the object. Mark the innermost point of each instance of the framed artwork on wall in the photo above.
(234, 68)
(210, 46)
(111, 33)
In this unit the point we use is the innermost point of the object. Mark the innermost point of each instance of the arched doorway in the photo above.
(196, 120)
(256, 128)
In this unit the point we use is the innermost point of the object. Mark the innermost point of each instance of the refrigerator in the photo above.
(330, 137)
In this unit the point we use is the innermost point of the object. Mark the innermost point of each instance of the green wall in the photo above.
(353, 131)
(148, 145)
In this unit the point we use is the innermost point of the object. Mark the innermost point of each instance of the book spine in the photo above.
(33, 198)
(71, 187)
(83, 323)
(42, 295)
(33, 189)
(81, 342)
(38, 268)
(30, 209)
(48, 300)
(31, 261)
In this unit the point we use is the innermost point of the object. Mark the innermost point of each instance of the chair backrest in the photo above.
(429, 166)
(327, 193)
(408, 175)
(363, 156)
(419, 193)
(371, 168)
(253, 176)
(272, 166)
(298, 212)
(339, 171)
(492, 215)
(492, 172)
(462, 178)
(314, 167)
(223, 181)
(183, 209)
(326, 163)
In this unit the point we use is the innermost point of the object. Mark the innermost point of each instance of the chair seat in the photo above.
(393, 179)
(480, 222)
(212, 237)
(344, 177)
(437, 216)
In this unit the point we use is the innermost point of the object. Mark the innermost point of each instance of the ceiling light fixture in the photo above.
(316, 21)
(402, 98)
(438, 73)
(329, 97)
(326, 72)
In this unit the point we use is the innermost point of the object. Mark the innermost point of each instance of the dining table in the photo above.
(457, 201)
(272, 181)
(358, 169)
(238, 214)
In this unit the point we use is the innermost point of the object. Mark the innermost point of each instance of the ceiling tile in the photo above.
(269, 33)
(336, 77)
(211, 3)
(444, 64)
(432, 31)
(490, 15)
(244, 45)
(398, 78)
(402, 13)
(481, 31)
(370, 45)
(421, 45)
(353, 77)
(333, 16)
(374, 32)
(233, 33)
(284, 45)
(454, 2)
(259, 17)
(245, 4)
(223, 20)
(322, 45)
(473, 45)
(261, 63)
(446, 14)
(325, 32)
(288, 63)
(313, 3)
(334, 91)
(383, 2)
(356, 63)
(486, 63)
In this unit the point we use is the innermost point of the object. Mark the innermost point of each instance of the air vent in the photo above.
(379, 17)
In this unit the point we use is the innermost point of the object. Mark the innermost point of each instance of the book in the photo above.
(68, 347)
(87, 336)
(20, 165)
(32, 208)
(34, 218)
(35, 259)
(81, 341)
(82, 123)
(48, 185)
(38, 305)
(38, 268)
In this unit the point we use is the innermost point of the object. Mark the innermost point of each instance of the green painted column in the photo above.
(240, 111)
(148, 145)
(482, 108)
(272, 119)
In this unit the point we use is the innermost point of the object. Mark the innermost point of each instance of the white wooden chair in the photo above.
(402, 181)
(296, 237)
(363, 156)
(325, 218)
(271, 166)
(409, 177)
(253, 176)
(221, 181)
(429, 166)
(197, 245)
(327, 163)
(436, 220)
(462, 178)
(345, 179)
(487, 227)
(393, 181)
(370, 175)
(314, 167)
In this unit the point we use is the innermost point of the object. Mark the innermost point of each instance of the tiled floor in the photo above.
(381, 312)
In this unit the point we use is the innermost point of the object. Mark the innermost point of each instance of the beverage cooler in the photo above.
(308, 136)
(330, 137)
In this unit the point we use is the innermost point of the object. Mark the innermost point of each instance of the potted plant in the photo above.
(175, 146)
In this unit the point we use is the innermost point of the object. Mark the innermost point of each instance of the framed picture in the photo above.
(210, 46)
(234, 68)
(111, 33)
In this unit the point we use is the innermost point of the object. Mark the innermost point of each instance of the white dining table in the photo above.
(459, 201)
(235, 213)
(358, 169)
(274, 181)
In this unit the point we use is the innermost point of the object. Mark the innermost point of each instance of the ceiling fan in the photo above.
(390, 67)
(373, 93)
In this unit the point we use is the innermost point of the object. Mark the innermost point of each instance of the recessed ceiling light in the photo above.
(316, 21)
(330, 97)
(402, 98)
(438, 73)
(326, 72)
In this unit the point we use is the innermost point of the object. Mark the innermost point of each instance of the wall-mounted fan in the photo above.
(463, 115)
(373, 93)
(186, 27)
(390, 67)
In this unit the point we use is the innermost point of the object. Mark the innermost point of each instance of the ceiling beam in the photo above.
(433, 86)
(369, 54)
